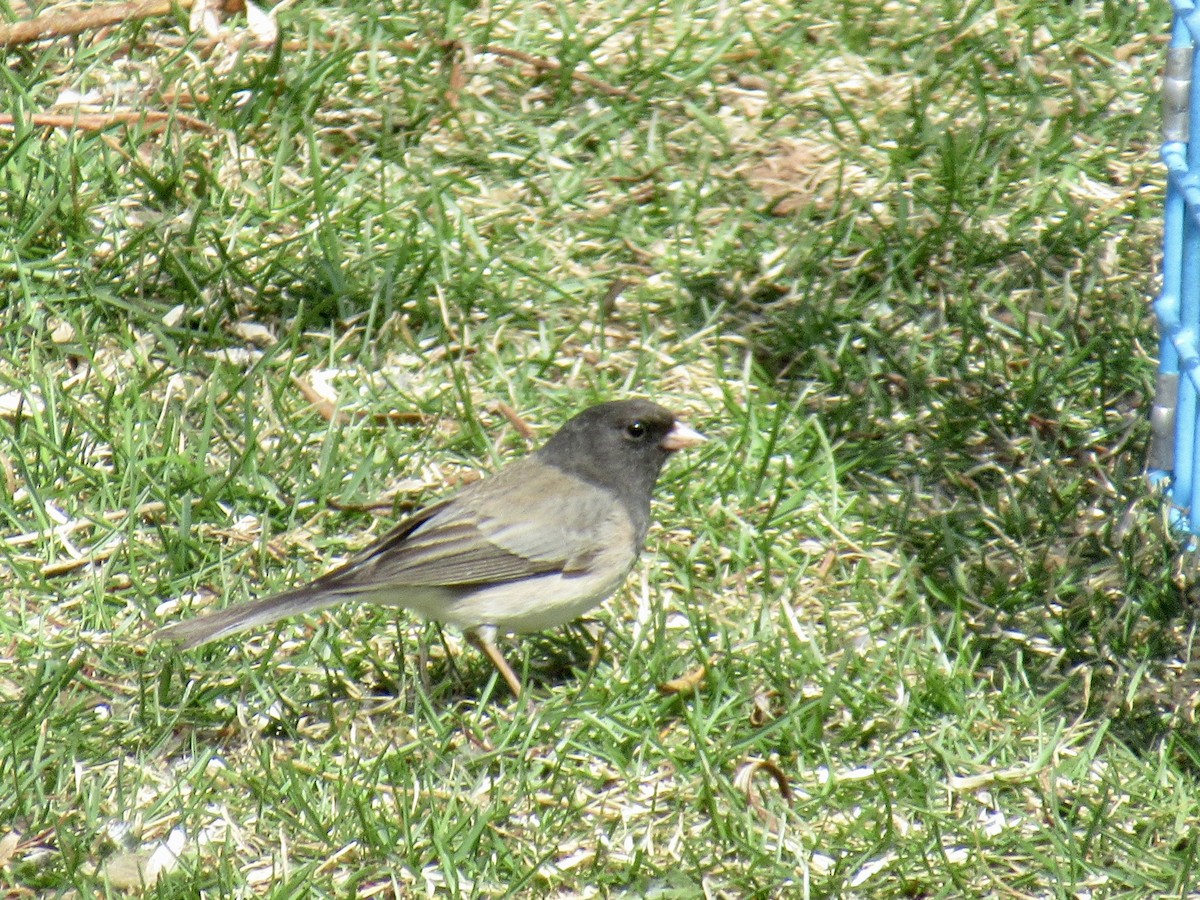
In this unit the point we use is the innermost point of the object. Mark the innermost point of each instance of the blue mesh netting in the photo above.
(1174, 451)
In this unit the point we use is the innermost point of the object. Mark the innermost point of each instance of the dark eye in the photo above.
(635, 430)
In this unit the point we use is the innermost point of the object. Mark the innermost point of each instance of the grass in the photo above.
(893, 258)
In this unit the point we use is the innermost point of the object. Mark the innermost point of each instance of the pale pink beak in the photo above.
(679, 437)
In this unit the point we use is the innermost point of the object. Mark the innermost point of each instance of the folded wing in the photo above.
(517, 530)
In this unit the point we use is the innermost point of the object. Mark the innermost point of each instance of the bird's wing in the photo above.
(522, 521)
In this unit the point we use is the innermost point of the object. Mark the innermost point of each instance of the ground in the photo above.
(909, 625)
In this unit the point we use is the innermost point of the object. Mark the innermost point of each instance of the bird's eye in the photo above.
(635, 430)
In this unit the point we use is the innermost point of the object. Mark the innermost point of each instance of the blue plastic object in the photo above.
(1174, 451)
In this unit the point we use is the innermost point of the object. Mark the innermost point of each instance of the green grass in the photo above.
(894, 260)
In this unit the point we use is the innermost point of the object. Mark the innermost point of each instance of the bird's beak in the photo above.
(679, 437)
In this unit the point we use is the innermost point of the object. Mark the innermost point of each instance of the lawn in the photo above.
(910, 623)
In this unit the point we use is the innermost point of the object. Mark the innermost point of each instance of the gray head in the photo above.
(620, 446)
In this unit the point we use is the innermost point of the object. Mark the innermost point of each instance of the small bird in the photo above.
(533, 546)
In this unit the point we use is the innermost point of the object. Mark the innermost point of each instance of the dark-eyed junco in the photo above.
(533, 546)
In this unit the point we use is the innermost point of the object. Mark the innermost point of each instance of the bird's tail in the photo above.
(243, 616)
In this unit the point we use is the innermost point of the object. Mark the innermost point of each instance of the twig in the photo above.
(549, 64)
(541, 63)
(49, 570)
(56, 25)
(330, 413)
(325, 409)
(110, 518)
(63, 24)
(153, 120)
(516, 421)
(386, 503)
(383, 505)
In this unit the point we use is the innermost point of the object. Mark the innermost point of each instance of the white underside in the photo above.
(518, 606)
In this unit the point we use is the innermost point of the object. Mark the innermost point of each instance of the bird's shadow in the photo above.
(410, 678)
(542, 661)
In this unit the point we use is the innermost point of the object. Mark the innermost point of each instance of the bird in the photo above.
(531, 547)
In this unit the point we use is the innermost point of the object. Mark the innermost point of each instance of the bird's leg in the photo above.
(483, 638)
(597, 637)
